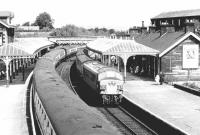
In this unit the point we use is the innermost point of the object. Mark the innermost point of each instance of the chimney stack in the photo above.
(189, 27)
(143, 28)
(152, 29)
(166, 28)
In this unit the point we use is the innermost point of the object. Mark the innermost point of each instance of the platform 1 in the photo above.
(176, 107)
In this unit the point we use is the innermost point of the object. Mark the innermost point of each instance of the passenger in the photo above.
(157, 79)
(137, 69)
(3, 74)
(131, 68)
(142, 71)
(161, 78)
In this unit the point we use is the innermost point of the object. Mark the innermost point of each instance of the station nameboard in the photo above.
(190, 56)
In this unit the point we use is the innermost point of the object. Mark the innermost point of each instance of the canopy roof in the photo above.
(24, 47)
(32, 45)
(13, 51)
(117, 46)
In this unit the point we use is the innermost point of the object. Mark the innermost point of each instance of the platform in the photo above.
(13, 110)
(179, 108)
(13, 119)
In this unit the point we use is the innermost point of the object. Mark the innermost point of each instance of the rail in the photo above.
(132, 124)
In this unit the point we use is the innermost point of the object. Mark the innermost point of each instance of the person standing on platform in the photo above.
(157, 79)
(161, 78)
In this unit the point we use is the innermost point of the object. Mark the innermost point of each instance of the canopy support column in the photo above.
(158, 65)
(154, 67)
(109, 63)
(7, 61)
(125, 58)
(13, 66)
(11, 70)
(17, 66)
(23, 69)
(125, 62)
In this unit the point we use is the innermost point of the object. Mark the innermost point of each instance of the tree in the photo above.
(44, 20)
(26, 24)
(111, 31)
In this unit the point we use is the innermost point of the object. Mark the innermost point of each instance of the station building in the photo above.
(6, 29)
(176, 36)
(17, 54)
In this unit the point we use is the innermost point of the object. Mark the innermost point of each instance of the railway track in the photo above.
(64, 70)
(125, 122)
(129, 118)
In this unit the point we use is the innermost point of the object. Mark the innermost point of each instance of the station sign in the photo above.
(190, 56)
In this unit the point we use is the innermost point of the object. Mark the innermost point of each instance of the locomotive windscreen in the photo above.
(110, 74)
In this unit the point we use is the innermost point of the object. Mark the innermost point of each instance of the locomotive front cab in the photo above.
(111, 86)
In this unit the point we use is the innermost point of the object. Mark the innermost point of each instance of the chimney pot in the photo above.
(142, 23)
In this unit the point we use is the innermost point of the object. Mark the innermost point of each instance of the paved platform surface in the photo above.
(13, 106)
(13, 110)
(177, 107)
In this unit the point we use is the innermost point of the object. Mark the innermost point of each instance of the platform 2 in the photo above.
(13, 118)
(176, 107)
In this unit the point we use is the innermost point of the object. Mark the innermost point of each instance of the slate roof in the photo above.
(155, 41)
(182, 13)
(165, 42)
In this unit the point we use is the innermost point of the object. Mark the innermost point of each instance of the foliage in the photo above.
(44, 20)
(73, 31)
(26, 24)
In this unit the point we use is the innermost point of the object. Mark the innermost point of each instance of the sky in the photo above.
(112, 14)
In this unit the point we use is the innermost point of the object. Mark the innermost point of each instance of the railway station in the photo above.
(48, 96)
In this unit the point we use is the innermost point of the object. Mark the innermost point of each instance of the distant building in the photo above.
(28, 28)
(6, 29)
(137, 29)
(175, 35)
(120, 35)
(179, 20)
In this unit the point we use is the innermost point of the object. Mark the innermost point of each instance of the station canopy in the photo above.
(32, 45)
(13, 51)
(23, 47)
(120, 47)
